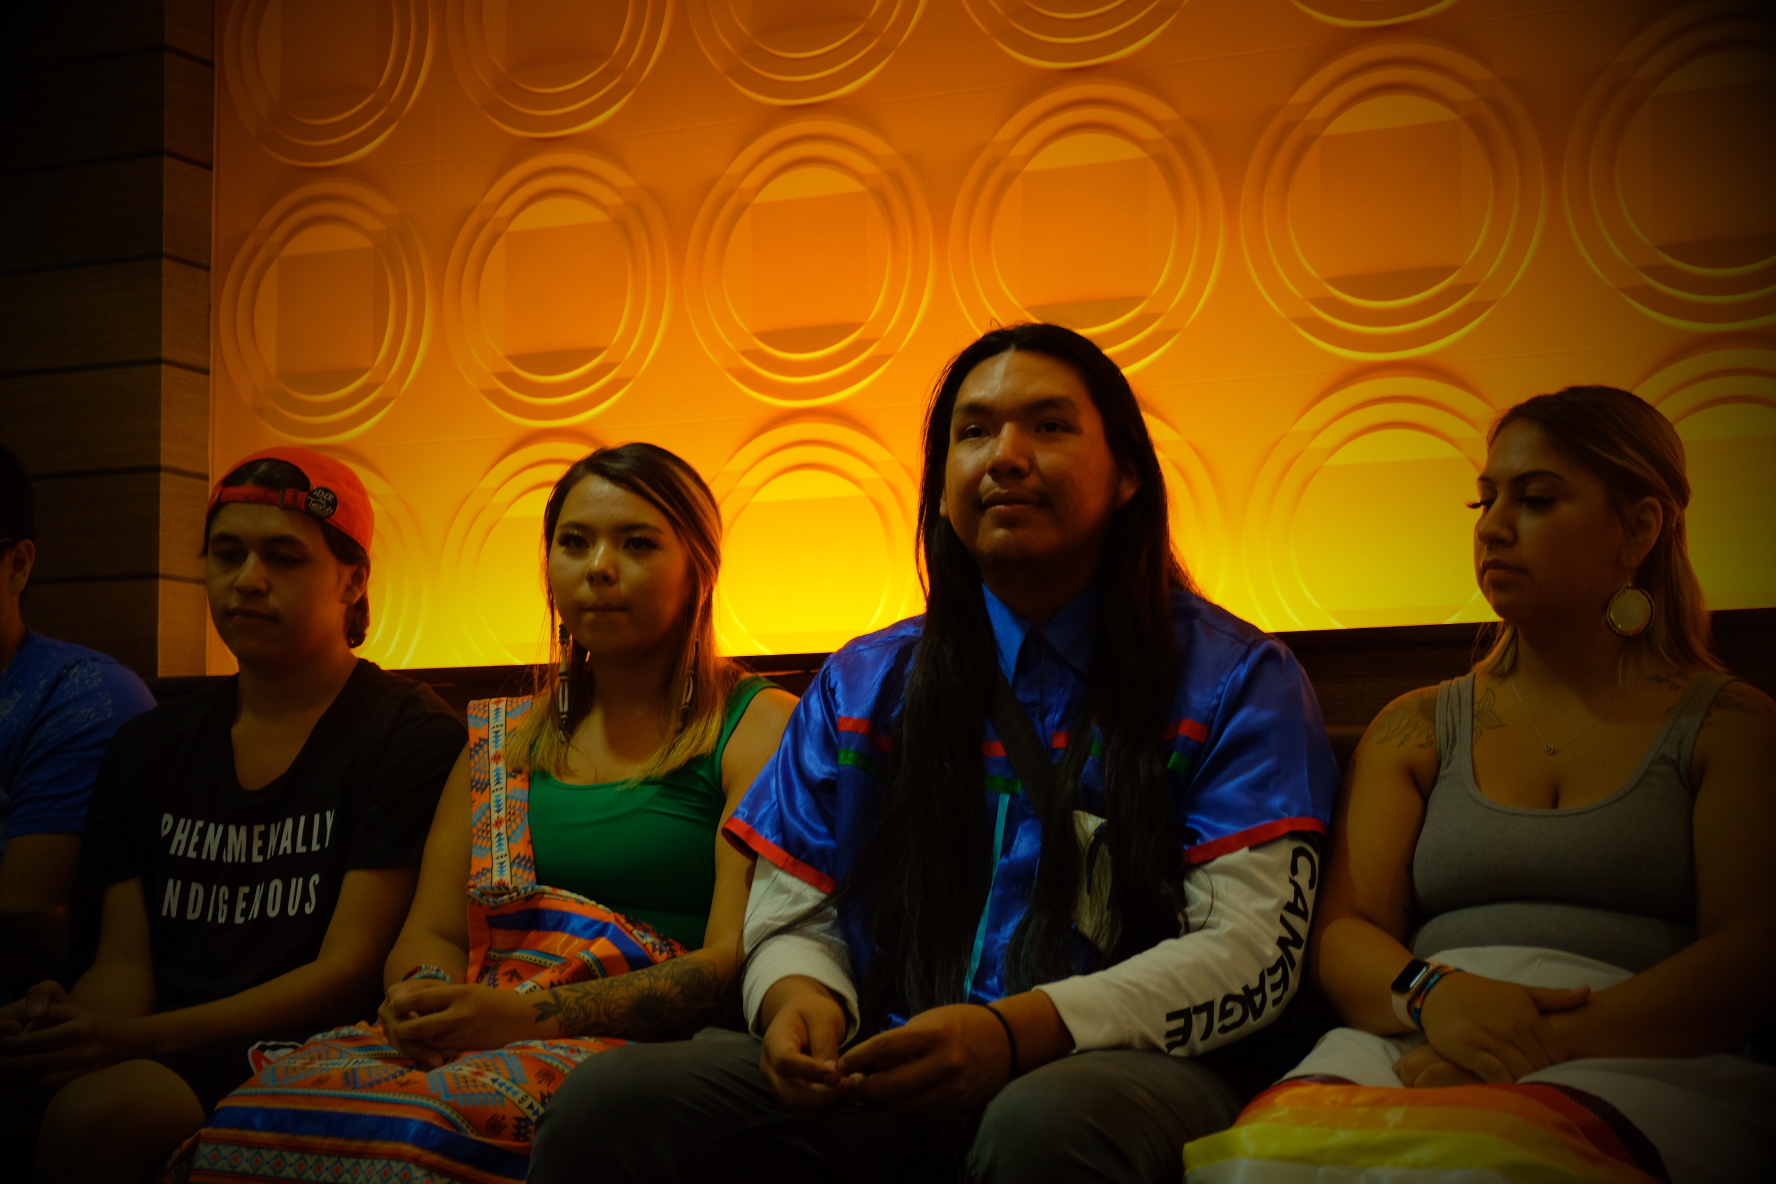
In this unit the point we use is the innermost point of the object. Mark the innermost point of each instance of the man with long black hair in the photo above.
(1136, 879)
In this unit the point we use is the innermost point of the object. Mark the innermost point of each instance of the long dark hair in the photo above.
(271, 473)
(922, 875)
(1628, 445)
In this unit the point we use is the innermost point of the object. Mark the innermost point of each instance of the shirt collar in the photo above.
(1072, 632)
(30, 637)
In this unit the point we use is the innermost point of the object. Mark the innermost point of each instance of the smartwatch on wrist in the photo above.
(1407, 985)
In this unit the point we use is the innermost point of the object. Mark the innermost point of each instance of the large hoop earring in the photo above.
(563, 695)
(1629, 612)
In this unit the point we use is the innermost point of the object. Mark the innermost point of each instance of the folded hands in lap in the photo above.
(800, 1052)
(433, 1023)
(1481, 1029)
(1425, 1068)
(47, 1037)
(947, 1058)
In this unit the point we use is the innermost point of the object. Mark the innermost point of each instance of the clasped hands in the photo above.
(432, 1022)
(947, 1058)
(1481, 1029)
(47, 1036)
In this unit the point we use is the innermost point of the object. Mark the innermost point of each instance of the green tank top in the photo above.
(645, 849)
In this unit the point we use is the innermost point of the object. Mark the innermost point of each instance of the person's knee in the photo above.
(611, 1102)
(1100, 1116)
(100, 1101)
(1026, 1133)
(604, 1091)
(143, 1109)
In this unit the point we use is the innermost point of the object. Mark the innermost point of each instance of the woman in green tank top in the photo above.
(640, 742)
(641, 848)
(573, 889)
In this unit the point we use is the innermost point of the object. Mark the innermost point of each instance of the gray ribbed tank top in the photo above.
(1613, 880)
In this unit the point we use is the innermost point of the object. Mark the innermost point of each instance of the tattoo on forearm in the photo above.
(1486, 716)
(672, 999)
(1409, 724)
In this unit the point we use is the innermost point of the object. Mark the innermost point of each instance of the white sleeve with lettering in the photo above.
(815, 950)
(1236, 966)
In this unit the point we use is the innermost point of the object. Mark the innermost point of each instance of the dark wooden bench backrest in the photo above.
(1355, 672)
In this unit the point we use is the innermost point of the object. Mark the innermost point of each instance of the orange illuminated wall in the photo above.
(461, 242)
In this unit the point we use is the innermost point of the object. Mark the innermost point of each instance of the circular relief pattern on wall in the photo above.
(321, 82)
(553, 67)
(815, 198)
(1393, 201)
(1722, 401)
(813, 480)
(1058, 34)
(557, 288)
(493, 554)
(1357, 517)
(1198, 530)
(801, 51)
(1097, 208)
(1368, 13)
(322, 318)
(398, 576)
(1668, 184)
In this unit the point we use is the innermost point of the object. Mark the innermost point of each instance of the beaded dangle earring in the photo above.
(1629, 611)
(563, 700)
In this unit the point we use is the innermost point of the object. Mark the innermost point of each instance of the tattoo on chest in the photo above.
(1671, 680)
(1486, 716)
(671, 999)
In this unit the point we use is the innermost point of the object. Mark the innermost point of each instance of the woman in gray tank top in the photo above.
(1550, 870)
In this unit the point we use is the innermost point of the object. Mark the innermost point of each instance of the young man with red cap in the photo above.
(256, 845)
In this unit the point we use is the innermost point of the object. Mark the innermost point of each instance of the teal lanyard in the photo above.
(980, 931)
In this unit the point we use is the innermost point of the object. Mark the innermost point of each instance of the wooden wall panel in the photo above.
(83, 214)
(72, 112)
(104, 525)
(104, 314)
(147, 624)
(189, 94)
(128, 417)
(51, 32)
(108, 314)
(134, 208)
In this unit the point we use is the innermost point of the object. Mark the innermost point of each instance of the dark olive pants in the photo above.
(702, 1109)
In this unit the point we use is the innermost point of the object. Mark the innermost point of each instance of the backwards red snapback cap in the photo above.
(334, 496)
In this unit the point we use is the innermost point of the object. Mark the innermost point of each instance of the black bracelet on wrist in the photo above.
(1010, 1036)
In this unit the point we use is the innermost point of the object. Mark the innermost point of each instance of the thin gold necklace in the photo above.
(1552, 749)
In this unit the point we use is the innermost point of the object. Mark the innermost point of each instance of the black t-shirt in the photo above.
(241, 884)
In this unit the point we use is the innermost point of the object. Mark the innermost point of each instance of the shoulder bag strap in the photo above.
(1026, 751)
(1042, 778)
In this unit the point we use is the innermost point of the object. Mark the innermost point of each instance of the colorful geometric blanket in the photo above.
(346, 1107)
(1321, 1130)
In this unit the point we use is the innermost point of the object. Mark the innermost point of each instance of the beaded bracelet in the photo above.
(1415, 1007)
(1010, 1036)
(427, 970)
